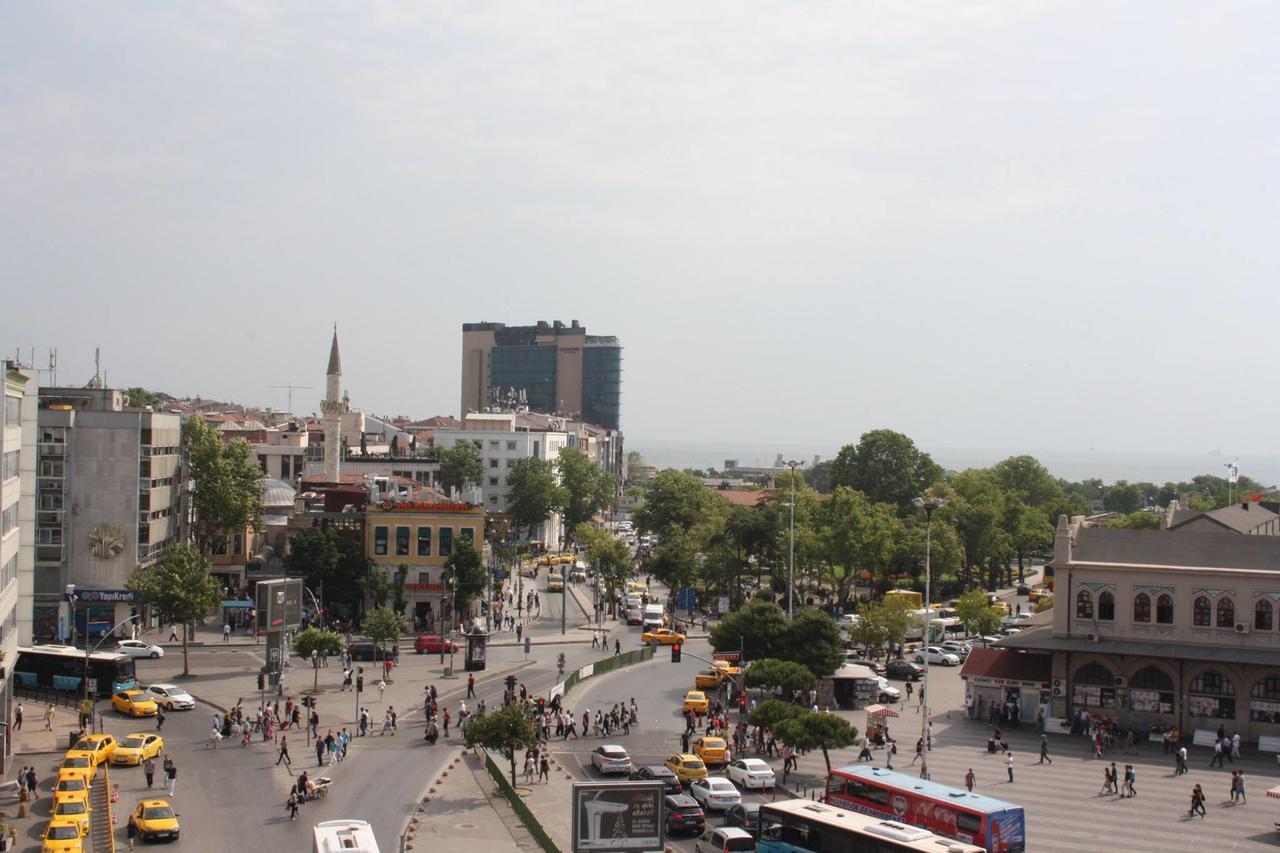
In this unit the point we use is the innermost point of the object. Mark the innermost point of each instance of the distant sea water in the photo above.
(1108, 466)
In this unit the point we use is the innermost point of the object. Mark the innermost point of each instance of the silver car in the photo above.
(611, 758)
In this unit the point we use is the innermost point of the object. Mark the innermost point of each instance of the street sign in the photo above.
(625, 817)
(274, 656)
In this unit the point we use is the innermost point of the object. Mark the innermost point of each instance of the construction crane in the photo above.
(293, 388)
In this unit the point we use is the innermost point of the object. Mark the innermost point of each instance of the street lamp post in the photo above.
(928, 505)
(791, 544)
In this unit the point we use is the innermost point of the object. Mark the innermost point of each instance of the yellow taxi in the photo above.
(71, 786)
(134, 703)
(709, 679)
(696, 700)
(77, 767)
(137, 748)
(155, 820)
(712, 750)
(98, 747)
(635, 588)
(686, 767)
(74, 811)
(661, 636)
(728, 668)
(63, 836)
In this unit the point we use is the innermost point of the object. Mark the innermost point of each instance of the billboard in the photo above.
(279, 604)
(619, 816)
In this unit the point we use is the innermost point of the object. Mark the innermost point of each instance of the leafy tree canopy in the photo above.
(811, 730)
(506, 731)
(179, 589)
(226, 494)
(588, 488)
(461, 467)
(1138, 521)
(774, 672)
(887, 467)
(755, 628)
(465, 568)
(383, 625)
(320, 641)
(769, 713)
(977, 615)
(535, 494)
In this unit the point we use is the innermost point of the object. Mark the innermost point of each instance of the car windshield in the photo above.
(85, 745)
(693, 765)
(69, 807)
(62, 833)
(131, 743)
(71, 785)
(76, 761)
(157, 813)
(614, 753)
(135, 697)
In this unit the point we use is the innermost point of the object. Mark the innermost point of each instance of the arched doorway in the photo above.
(1212, 695)
(1093, 686)
(1151, 691)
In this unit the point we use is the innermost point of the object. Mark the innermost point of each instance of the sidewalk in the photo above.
(462, 810)
(33, 739)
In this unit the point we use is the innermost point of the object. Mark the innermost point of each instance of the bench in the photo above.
(1270, 743)
(1205, 737)
(10, 788)
(1057, 725)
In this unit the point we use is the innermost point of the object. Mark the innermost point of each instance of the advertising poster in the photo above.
(619, 816)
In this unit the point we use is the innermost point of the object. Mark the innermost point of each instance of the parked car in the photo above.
(1023, 589)
(687, 767)
(989, 640)
(748, 773)
(904, 670)
(936, 655)
(139, 649)
(1008, 632)
(875, 666)
(715, 792)
(155, 820)
(98, 748)
(959, 648)
(610, 758)
(171, 697)
(431, 643)
(658, 773)
(134, 703)
(364, 650)
(887, 692)
(683, 814)
(744, 816)
(726, 838)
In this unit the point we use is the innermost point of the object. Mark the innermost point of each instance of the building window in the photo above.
(237, 544)
(1084, 604)
(493, 463)
(1264, 706)
(511, 445)
(446, 541)
(13, 410)
(1226, 612)
(511, 463)
(1200, 612)
(1094, 687)
(424, 577)
(493, 444)
(1211, 694)
(1142, 607)
(493, 481)
(1164, 609)
(1106, 606)
(1151, 690)
(424, 541)
(402, 541)
(380, 541)
(493, 500)
(468, 535)
(1262, 616)
(9, 469)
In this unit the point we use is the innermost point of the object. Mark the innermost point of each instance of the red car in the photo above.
(430, 644)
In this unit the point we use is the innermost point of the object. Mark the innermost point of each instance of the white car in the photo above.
(171, 697)
(715, 792)
(750, 773)
(938, 656)
(1010, 631)
(887, 692)
(610, 758)
(957, 648)
(139, 649)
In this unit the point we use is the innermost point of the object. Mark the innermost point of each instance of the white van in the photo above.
(655, 616)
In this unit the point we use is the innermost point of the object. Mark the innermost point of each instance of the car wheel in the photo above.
(154, 655)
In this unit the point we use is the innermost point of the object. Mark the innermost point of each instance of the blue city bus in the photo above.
(805, 826)
(993, 825)
(62, 669)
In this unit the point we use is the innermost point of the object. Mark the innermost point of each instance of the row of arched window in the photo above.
(1208, 683)
(1204, 614)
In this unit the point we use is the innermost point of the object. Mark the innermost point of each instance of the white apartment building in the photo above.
(15, 542)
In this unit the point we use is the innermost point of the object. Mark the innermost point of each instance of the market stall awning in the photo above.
(1274, 792)
(880, 711)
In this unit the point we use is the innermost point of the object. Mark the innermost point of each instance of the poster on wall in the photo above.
(1202, 706)
(1144, 700)
(1089, 695)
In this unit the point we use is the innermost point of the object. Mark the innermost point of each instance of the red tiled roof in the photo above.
(748, 498)
(1007, 664)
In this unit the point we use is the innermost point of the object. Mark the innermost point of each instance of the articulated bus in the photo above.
(804, 826)
(62, 669)
(993, 825)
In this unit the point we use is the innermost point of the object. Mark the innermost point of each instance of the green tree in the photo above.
(461, 467)
(674, 500)
(384, 626)
(225, 492)
(1138, 521)
(817, 731)
(775, 672)
(609, 556)
(141, 397)
(465, 568)
(398, 602)
(313, 554)
(812, 639)
(869, 630)
(896, 617)
(588, 488)
(887, 467)
(178, 588)
(535, 495)
(1123, 497)
(819, 476)
(506, 731)
(856, 536)
(636, 467)
(1025, 476)
(977, 615)
(769, 713)
(756, 628)
(321, 642)
(379, 588)
(976, 510)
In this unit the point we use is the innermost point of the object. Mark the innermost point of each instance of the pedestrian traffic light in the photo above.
(511, 683)
(262, 681)
(675, 653)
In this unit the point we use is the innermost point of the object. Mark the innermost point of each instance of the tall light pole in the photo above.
(791, 544)
(928, 505)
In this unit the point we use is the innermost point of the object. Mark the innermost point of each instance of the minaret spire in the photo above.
(333, 406)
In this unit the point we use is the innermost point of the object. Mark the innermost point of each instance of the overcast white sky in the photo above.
(1004, 225)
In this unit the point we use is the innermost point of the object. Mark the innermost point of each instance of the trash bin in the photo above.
(72, 737)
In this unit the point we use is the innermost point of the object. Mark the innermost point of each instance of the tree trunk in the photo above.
(511, 755)
(826, 758)
(186, 667)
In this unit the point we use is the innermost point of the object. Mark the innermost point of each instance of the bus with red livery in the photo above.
(994, 825)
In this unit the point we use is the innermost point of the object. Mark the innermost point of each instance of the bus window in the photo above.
(880, 796)
(969, 823)
(835, 785)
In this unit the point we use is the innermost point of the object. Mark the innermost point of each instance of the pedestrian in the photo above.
(1235, 784)
(17, 717)
(33, 790)
(291, 805)
(1197, 802)
(890, 750)
(1044, 750)
(617, 647)
(284, 752)
(171, 771)
(544, 769)
(173, 632)
(519, 632)
(471, 686)
(48, 719)
(226, 633)
(970, 780)
(924, 770)
(149, 770)
(1130, 777)
(1106, 781)
(919, 751)
(1240, 787)
(131, 832)
(1235, 746)
(159, 718)
(1008, 763)
(530, 768)
(382, 688)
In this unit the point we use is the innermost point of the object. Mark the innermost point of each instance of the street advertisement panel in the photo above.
(618, 816)
(279, 604)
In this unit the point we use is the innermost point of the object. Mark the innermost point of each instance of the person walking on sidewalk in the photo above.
(970, 780)
(544, 769)
(1197, 802)
(919, 751)
(171, 772)
(1235, 785)
(226, 633)
(1240, 787)
(1008, 763)
(1044, 750)
(17, 717)
(173, 632)
(149, 770)
(284, 752)
(48, 719)
(471, 686)
(1130, 777)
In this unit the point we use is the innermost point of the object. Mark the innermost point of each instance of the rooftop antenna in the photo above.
(293, 388)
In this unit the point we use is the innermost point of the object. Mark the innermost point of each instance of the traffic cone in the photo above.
(115, 793)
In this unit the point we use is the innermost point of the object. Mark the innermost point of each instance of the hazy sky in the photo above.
(1007, 225)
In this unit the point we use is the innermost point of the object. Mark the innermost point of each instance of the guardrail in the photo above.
(600, 667)
(517, 803)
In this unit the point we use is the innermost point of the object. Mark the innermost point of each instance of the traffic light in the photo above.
(262, 681)
(675, 653)
(511, 683)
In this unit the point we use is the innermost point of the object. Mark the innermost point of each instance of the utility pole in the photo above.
(928, 505)
(791, 545)
(293, 388)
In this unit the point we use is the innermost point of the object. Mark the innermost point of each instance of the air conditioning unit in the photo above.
(1094, 638)
(1121, 681)
(1058, 689)
(1242, 627)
